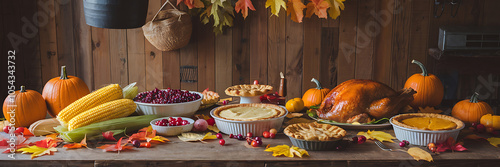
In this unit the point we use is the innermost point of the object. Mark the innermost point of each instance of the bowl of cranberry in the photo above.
(168, 102)
(172, 126)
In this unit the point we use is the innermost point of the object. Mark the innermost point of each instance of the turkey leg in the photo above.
(390, 106)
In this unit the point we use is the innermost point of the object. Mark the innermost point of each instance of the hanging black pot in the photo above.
(115, 14)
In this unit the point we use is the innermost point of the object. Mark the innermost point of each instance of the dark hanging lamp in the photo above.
(115, 14)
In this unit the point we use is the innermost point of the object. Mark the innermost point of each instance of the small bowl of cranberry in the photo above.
(168, 102)
(172, 126)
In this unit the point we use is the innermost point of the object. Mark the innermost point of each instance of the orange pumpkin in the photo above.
(61, 91)
(429, 88)
(23, 107)
(315, 96)
(472, 110)
(489, 120)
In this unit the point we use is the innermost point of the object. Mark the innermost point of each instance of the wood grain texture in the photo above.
(48, 40)
(13, 40)
(312, 53)
(418, 34)
(100, 57)
(294, 58)
(118, 56)
(65, 38)
(241, 51)
(329, 56)
(171, 66)
(154, 71)
(3, 49)
(401, 36)
(206, 58)
(258, 42)
(276, 48)
(383, 14)
(367, 29)
(31, 51)
(83, 46)
(223, 62)
(189, 57)
(136, 58)
(347, 42)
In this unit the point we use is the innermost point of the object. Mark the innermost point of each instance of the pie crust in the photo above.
(399, 120)
(315, 131)
(249, 90)
(278, 111)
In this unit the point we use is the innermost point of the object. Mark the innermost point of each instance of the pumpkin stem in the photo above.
(64, 75)
(318, 85)
(473, 98)
(424, 70)
(23, 89)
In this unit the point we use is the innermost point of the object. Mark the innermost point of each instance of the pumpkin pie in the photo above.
(249, 112)
(249, 90)
(427, 121)
(315, 132)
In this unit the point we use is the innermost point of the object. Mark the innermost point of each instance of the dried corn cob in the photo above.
(110, 110)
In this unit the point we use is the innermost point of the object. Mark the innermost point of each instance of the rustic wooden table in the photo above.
(238, 153)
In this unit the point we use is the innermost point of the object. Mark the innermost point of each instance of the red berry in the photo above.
(490, 129)
(258, 138)
(266, 134)
(480, 128)
(259, 143)
(136, 143)
(185, 122)
(231, 136)
(255, 82)
(211, 121)
(402, 144)
(361, 139)
(254, 143)
(225, 102)
(355, 139)
(433, 149)
(6, 129)
(19, 130)
(222, 142)
(249, 141)
(240, 137)
(272, 135)
(219, 135)
(474, 124)
(249, 135)
(179, 119)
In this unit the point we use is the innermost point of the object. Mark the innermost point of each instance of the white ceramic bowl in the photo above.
(423, 137)
(185, 109)
(172, 130)
(243, 127)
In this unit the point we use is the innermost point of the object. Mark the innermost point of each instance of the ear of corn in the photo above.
(110, 110)
(98, 97)
(130, 124)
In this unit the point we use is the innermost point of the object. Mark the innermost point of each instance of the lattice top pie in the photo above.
(249, 111)
(427, 121)
(249, 90)
(315, 131)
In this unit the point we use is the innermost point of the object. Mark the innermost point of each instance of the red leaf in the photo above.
(243, 5)
(27, 132)
(108, 136)
(83, 143)
(4, 142)
(46, 143)
(317, 7)
(115, 147)
(450, 145)
(295, 8)
(192, 3)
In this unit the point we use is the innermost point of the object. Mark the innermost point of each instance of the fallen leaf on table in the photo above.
(294, 115)
(196, 137)
(83, 143)
(474, 137)
(213, 128)
(27, 132)
(147, 134)
(419, 154)
(429, 110)
(158, 139)
(275, 6)
(46, 143)
(287, 151)
(450, 144)
(108, 135)
(378, 135)
(20, 142)
(495, 141)
(37, 151)
(115, 147)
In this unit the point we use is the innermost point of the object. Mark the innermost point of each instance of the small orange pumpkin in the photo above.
(429, 88)
(315, 96)
(23, 107)
(60, 92)
(472, 110)
(489, 120)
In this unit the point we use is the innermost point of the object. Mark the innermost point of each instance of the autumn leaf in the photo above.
(4, 142)
(335, 7)
(27, 132)
(213, 128)
(429, 110)
(243, 6)
(495, 141)
(115, 147)
(192, 3)
(317, 7)
(83, 143)
(419, 154)
(377, 135)
(196, 137)
(20, 142)
(108, 135)
(294, 115)
(287, 151)
(158, 139)
(46, 143)
(296, 10)
(449, 144)
(275, 5)
(37, 151)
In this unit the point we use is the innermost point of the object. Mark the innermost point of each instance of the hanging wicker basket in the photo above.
(169, 30)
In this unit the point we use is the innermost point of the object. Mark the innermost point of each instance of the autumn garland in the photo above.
(221, 12)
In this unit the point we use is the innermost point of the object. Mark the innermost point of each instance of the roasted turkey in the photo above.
(359, 100)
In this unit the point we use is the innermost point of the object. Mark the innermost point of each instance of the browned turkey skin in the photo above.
(360, 100)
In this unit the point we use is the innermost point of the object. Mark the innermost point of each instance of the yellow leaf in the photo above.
(196, 137)
(378, 135)
(158, 138)
(213, 128)
(37, 151)
(429, 110)
(335, 7)
(419, 154)
(287, 151)
(495, 141)
(294, 115)
(275, 6)
(209, 135)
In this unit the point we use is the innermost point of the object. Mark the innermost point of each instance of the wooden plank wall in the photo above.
(370, 40)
